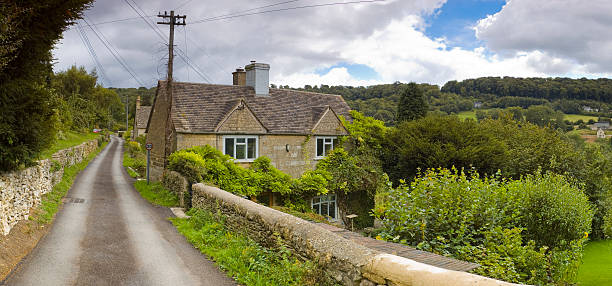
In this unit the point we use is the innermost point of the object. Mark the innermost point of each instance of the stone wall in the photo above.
(177, 184)
(292, 154)
(343, 260)
(21, 190)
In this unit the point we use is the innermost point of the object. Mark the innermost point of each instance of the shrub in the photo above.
(188, 164)
(529, 230)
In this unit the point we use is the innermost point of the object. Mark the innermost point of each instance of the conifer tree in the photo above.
(412, 104)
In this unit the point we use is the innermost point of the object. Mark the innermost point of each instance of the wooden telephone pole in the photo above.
(173, 20)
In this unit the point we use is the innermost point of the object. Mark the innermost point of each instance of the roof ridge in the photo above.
(303, 91)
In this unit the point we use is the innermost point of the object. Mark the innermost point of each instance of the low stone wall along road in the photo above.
(106, 234)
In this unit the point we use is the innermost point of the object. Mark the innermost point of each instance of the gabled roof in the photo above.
(142, 116)
(200, 108)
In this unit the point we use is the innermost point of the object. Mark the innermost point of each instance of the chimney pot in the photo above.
(239, 77)
(258, 77)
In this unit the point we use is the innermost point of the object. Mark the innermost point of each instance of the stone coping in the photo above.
(357, 265)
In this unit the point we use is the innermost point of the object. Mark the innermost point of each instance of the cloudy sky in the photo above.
(429, 41)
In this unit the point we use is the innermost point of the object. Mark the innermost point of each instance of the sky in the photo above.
(357, 44)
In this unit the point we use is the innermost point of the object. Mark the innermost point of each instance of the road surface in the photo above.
(106, 234)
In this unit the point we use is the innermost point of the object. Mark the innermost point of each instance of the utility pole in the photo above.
(127, 124)
(174, 20)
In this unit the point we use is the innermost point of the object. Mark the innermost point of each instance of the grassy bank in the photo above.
(52, 200)
(156, 194)
(70, 139)
(242, 258)
(128, 162)
(596, 268)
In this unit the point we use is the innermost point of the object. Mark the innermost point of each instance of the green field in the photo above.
(70, 139)
(596, 268)
(570, 117)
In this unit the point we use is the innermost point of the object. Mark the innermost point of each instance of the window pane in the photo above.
(335, 142)
(320, 147)
(324, 209)
(240, 151)
(332, 198)
(332, 210)
(328, 147)
(240, 140)
(229, 146)
(251, 148)
(316, 209)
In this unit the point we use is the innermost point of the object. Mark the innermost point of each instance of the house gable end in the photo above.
(241, 120)
(329, 124)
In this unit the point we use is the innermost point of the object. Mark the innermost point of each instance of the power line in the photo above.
(160, 34)
(92, 53)
(252, 9)
(184, 3)
(114, 52)
(283, 9)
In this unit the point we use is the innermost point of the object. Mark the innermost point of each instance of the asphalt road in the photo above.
(106, 234)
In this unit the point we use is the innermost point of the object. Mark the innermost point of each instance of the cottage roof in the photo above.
(142, 116)
(199, 108)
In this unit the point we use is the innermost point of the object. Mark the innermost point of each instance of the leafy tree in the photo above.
(440, 141)
(412, 104)
(28, 31)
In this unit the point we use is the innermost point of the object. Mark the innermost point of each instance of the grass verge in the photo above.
(596, 268)
(71, 139)
(156, 194)
(52, 200)
(242, 258)
(128, 162)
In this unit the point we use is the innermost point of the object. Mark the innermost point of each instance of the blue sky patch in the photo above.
(357, 71)
(455, 19)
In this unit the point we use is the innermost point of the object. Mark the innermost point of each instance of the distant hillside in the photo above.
(542, 88)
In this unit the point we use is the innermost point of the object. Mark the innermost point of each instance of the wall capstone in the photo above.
(343, 260)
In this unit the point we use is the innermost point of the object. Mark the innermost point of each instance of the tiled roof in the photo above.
(142, 116)
(198, 108)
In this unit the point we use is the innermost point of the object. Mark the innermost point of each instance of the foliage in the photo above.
(52, 200)
(28, 32)
(527, 230)
(543, 115)
(156, 194)
(67, 140)
(440, 141)
(306, 215)
(246, 261)
(412, 104)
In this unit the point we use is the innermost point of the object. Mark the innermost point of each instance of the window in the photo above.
(325, 145)
(325, 205)
(242, 148)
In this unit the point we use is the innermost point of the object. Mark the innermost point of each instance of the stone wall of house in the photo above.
(292, 154)
(21, 190)
(177, 184)
(343, 260)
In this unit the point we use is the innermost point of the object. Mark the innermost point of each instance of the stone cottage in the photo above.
(247, 120)
(141, 117)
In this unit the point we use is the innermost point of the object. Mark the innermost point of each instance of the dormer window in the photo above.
(324, 145)
(242, 148)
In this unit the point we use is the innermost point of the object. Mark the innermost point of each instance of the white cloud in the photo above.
(567, 30)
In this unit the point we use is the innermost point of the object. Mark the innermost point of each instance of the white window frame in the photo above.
(246, 150)
(327, 200)
(325, 139)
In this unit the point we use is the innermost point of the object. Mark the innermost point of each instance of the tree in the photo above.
(412, 104)
(28, 31)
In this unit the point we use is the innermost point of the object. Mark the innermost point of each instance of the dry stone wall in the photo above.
(343, 260)
(23, 189)
(177, 184)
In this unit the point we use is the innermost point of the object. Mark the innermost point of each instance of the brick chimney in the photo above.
(138, 102)
(258, 76)
(239, 77)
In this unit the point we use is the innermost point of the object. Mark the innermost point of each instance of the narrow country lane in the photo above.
(106, 234)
